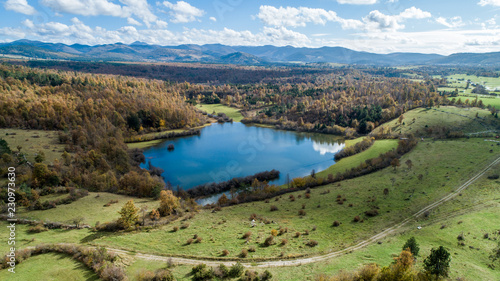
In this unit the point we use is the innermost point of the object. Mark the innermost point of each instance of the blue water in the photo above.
(225, 151)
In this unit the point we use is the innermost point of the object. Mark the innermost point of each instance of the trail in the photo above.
(300, 261)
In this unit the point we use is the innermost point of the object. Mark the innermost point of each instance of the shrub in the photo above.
(175, 228)
(273, 208)
(198, 239)
(302, 212)
(269, 241)
(356, 219)
(236, 270)
(283, 230)
(247, 235)
(336, 223)
(266, 275)
(292, 198)
(303, 206)
(222, 271)
(164, 275)
(251, 249)
(244, 253)
(185, 225)
(113, 273)
(314, 228)
(371, 213)
(225, 253)
(189, 241)
(250, 275)
(312, 243)
(284, 242)
(297, 234)
(306, 232)
(274, 232)
(37, 228)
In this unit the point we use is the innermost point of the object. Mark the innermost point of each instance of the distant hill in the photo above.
(241, 55)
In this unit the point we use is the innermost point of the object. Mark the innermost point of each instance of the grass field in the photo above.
(90, 207)
(461, 119)
(444, 164)
(33, 141)
(231, 112)
(50, 267)
(459, 81)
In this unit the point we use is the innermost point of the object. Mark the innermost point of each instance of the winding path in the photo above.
(330, 255)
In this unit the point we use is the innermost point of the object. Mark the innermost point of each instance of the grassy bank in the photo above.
(231, 112)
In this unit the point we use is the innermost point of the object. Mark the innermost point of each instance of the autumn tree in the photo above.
(168, 203)
(154, 215)
(438, 262)
(128, 215)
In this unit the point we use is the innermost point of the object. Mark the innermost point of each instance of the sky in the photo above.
(380, 26)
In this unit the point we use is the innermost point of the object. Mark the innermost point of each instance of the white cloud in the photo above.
(489, 2)
(132, 21)
(379, 21)
(183, 12)
(291, 16)
(20, 6)
(453, 22)
(213, 19)
(139, 8)
(357, 2)
(86, 7)
(16, 33)
(294, 17)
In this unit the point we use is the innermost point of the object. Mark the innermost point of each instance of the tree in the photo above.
(154, 215)
(412, 245)
(128, 214)
(78, 221)
(438, 262)
(395, 163)
(40, 157)
(400, 120)
(168, 203)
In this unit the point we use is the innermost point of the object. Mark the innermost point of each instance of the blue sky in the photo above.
(380, 26)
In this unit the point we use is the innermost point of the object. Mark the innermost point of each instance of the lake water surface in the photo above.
(225, 151)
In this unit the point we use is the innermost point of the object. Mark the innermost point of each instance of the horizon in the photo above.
(374, 26)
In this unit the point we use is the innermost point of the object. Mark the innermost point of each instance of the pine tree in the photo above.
(438, 262)
(412, 245)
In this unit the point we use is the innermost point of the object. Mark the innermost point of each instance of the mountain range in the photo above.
(241, 55)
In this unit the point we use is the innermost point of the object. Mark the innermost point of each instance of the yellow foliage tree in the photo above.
(168, 202)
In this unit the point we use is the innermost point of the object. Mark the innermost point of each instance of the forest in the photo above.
(96, 114)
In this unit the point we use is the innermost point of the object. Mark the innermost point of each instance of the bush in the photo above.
(185, 225)
(175, 228)
(198, 239)
(274, 232)
(37, 228)
(371, 213)
(222, 271)
(297, 234)
(269, 241)
(225, 253)
(284, 242)
(247, 235)
(266, 275)
(251, 249)
(244, 253)
(189, 241)
(356, 219)
(113, 273)
(336, 223)
(283, 230)
(273, 208)
(312, 243)
(236, 270)
(302, 212)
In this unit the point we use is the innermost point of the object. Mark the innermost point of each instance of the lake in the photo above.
(225, 151)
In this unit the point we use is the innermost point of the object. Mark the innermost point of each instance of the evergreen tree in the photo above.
(438, 262)
(412, 245)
